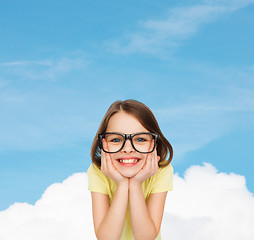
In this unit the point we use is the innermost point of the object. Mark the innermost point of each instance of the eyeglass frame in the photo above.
(126, 137)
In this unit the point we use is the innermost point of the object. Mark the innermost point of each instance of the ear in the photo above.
(158, 158)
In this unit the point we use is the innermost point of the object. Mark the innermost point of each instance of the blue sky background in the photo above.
(62, 64)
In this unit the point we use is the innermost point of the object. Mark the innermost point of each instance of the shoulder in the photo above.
(93, 169)
(162, 181)
(168, 170)
(97, 181)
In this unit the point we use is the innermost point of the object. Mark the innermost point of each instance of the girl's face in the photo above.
(127, 161)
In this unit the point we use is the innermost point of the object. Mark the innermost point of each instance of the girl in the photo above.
(130, 175)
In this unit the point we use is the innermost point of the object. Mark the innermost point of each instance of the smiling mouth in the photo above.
(134, 160)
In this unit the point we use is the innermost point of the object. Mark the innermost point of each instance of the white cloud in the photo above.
(46, 69)
(204, 205)
(209, 205)
(41, 116)
(182, 22)
(190, 126)
(63, 212)
(27, 63)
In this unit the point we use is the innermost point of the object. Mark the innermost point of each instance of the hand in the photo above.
(149, 169)
(109, 169)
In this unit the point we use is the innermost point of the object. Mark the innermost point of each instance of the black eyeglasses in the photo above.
(143, 142)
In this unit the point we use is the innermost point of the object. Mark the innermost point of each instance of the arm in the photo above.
(109, 218)
(146, 217)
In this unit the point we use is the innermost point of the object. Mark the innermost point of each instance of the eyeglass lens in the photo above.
(141, 142)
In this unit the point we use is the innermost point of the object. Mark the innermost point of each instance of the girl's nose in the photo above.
(127, 148)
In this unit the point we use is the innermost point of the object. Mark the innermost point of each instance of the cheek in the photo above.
(114, 159)
(113, 156)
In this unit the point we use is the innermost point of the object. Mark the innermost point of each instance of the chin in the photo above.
(129, 171)
(129, 175)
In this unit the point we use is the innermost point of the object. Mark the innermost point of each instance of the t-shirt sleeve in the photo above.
(163, 180)
(97, 181)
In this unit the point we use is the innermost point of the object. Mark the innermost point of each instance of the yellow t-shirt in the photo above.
(162, 181)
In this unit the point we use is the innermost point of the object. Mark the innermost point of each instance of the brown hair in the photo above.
(145, 117)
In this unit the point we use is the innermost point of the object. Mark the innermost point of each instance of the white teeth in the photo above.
(128, 160)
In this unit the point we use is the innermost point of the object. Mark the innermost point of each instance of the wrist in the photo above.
(135, 184)
(123, 184)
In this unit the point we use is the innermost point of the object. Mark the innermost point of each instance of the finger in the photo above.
(105, 145)
(148, 163)
(156, 154)
(151, 146)
(152, 159)
(155, 162)
(103, 160)
(108, 159)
